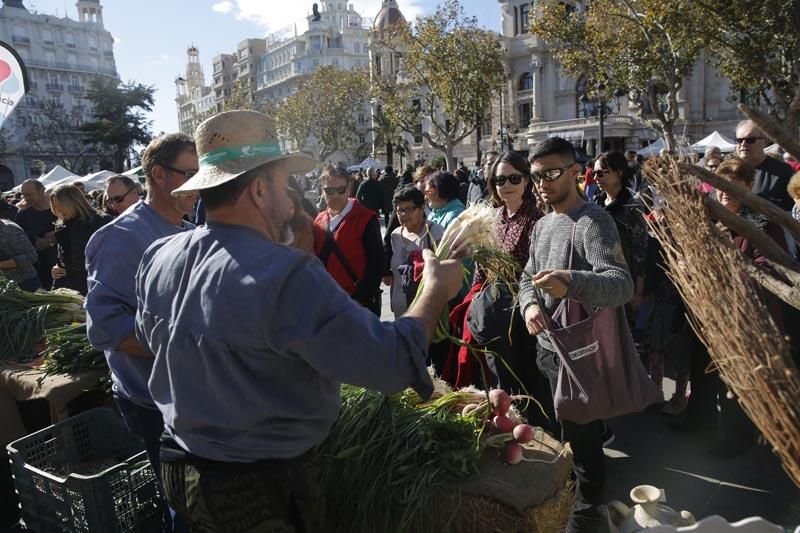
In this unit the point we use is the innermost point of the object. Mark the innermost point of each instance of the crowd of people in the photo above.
(225, 288)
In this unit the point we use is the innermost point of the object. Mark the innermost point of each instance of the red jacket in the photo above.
(348, 237)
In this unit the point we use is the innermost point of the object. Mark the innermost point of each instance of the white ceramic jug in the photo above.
(649, 511)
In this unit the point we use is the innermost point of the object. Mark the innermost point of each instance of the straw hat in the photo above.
(234, 142)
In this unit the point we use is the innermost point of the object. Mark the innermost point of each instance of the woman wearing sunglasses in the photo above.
(613, 175)
(510, 188)
(77, 222)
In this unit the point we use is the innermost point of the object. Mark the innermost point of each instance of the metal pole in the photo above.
(602, 131)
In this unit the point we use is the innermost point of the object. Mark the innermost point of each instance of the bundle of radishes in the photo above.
(510, 432)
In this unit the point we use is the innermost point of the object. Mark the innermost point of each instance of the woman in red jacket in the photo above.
(348, 240)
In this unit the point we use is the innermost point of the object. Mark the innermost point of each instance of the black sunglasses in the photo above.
(335, 190)
(551, 174)
(748, 140)
(118, 199)
(186, 173)
(598, 173)
(513, 179)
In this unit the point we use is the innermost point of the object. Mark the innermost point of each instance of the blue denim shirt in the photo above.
(252, 340)
(112, 257)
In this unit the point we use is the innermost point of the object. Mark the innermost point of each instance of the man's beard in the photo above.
(287, 235)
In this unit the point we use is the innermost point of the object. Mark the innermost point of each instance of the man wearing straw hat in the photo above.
(252, 339)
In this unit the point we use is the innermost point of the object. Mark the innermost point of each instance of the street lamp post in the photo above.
(601, 97)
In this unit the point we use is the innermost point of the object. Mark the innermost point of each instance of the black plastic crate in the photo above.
(56, 492)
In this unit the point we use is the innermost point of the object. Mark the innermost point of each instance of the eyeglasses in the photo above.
(513, 179)
(747, 140)
(712, 167)
(551, 174)
(404, 211)
(599, 173)
(335, 190)
(187, 173)
(118, 199)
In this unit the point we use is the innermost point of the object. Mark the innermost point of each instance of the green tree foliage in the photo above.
(757, 45)
(645, 47)
(388, 134)
(119, 120)
(242, 97)
(451, 71)
(320, 116)
(54, 134)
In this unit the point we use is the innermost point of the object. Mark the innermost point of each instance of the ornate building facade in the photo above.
(61, 56)
(542, 102)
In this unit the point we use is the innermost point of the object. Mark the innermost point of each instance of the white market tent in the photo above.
(365, 164)
(56, 174)
(96, 180)
(135, 173)
(773, 148)
(715, 139)
(653, 149)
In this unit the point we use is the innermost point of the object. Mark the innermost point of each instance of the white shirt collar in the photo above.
(337, 219)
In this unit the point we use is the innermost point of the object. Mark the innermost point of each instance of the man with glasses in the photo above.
(121, 192)
(112, 258)
(598, 276)
(772, 175)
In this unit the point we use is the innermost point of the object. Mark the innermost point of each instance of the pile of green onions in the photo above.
(25, 316)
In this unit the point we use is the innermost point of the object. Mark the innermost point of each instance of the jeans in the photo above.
(587, 448)
(148, 425)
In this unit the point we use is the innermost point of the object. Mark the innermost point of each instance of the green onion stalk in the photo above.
(475, 231)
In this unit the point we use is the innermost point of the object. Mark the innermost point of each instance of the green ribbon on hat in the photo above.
(230, 153)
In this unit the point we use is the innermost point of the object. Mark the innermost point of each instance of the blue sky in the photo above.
(152, 36)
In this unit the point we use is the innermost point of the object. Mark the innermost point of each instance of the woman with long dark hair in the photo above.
(613, 176)
(77, 222)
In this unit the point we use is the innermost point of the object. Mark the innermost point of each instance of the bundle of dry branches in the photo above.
(728, 311)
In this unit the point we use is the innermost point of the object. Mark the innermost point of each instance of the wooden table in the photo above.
(20, 383)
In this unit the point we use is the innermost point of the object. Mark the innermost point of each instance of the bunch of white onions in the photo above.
(475, 231)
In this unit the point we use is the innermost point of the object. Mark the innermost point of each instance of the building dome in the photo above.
(389, 15)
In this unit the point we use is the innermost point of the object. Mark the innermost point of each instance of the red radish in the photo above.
(468, 409)
(503, 424)
(500, 401)
(523, 433)
(512, 453)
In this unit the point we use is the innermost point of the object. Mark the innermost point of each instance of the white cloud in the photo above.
(272, 19)
(223, 7)
(160, 61)
(117, 40)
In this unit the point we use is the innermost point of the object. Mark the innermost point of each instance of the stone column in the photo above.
(536, 67)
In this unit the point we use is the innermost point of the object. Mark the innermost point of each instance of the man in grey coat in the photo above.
(598, 276)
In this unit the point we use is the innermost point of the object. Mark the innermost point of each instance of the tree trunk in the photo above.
(390, 154)
(119, 161)
(669, 137)
(448, 155)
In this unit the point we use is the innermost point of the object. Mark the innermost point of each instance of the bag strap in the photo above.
(331, 246)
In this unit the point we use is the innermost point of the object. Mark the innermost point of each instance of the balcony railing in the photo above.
(21, 39)
(75, 89)
(59, 65)
(54, 87)
(554, 125)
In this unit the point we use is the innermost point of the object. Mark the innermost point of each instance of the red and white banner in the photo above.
(13, 80)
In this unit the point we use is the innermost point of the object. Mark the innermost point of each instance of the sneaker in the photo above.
(676, 405)
(607, 435)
